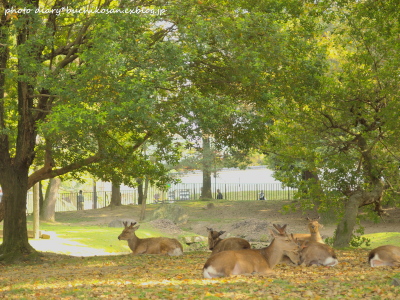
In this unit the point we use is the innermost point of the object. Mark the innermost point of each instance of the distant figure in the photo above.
(262, 196)
(156, 198)
(80, 201)
(219, 195)
(1, 194)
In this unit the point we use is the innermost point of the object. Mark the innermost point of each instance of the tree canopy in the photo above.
(86, 85)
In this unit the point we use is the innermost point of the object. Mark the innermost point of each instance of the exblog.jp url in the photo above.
(68, 10)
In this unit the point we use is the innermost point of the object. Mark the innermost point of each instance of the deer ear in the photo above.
(136, 227)
(221, 232)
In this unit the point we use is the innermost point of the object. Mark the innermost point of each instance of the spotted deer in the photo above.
(387, 255)
(262, 261)
(156, 245)
(216, 244)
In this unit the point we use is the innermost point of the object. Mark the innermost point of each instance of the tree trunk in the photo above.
(2, 210)
(144, 200)
(344, 230)
(140, 190)
(41, 197)
(15, 234)
(48, 212)
(207, 166)
(115, 194)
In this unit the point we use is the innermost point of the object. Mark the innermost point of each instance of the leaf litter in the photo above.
(163, 277)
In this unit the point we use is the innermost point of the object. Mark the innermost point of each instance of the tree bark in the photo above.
(115, 194)
(140, 190)
(48, 212)
(344, 230)
(144, 200)
(15, 234)
(207, 165)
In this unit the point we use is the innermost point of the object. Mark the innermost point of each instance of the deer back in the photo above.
(216, 244)
(387, 255)
(314, 253)
(236, 262)
(157, 245)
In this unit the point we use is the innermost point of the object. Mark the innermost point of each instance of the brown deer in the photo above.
(314, 235)
(387, 255)
(262, 261)
(156, 245)
(216, 244)
(314, 253)
(288, 256)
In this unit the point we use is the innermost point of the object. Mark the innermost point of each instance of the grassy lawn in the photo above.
(125, 276)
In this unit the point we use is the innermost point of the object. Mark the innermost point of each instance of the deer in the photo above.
(314, 253)
(261, 261)
(387, 255)
(311, 253)
(216, 244)
(288, 256)
(314, 235)
(156, 245)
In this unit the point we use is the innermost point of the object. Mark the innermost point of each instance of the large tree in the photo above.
(70, 83)
(73, 84)
(343, 133)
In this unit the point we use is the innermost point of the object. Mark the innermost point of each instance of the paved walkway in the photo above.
(68, 247)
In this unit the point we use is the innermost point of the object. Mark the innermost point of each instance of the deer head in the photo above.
(129, 231)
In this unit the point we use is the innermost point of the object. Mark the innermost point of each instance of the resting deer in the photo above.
(314, 235)
(288, 256)
(216, 244)
(157, 245)
(262, 261)
(314, 253)
(387, 255)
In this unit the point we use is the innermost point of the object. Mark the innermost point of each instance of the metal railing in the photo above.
(176, 192)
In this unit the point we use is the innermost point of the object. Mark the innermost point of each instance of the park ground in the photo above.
(94, 275)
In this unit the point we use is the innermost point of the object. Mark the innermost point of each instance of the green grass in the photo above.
(383, 238)
(100, 237)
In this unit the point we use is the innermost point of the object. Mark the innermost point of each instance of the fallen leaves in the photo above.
(159, 277)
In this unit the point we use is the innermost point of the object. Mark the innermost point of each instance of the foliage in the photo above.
(147, 277)
(334, 138)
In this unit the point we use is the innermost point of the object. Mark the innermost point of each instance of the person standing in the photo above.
(80, 201)
(219, 195)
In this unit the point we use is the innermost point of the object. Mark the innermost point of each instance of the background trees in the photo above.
(342, 133)
(88, 91)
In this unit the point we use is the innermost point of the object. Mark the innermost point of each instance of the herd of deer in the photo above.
(234, 256)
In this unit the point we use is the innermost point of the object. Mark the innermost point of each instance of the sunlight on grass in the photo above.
(383, 238)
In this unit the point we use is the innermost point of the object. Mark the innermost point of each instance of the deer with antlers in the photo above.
(387, 255)
(156, 245)
(216, 244)
(262, 261)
